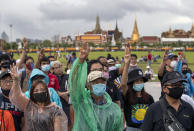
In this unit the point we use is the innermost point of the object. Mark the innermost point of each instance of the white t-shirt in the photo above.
(148, 72)
(188, 99)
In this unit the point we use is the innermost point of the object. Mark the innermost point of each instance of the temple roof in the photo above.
(135, 29)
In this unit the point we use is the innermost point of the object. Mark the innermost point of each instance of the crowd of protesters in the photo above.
(103, 94)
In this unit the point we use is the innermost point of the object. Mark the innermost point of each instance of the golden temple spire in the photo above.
(192, 31)
(97, 29)
(135, 35)
(170, 33)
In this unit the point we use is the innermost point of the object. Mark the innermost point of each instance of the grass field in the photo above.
(120, 54)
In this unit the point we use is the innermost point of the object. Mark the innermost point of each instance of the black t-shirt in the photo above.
(112, 89)
(161, 78)
(154, 121)
(134, 114)
(63, 84)
(17, 115)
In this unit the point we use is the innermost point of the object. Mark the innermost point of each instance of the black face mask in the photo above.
(176, 92)
(5, 92)
(40, 97)
(184, 72)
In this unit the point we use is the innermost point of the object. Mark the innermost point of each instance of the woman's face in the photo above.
(39, 88)
(138, 81)
(184, 67)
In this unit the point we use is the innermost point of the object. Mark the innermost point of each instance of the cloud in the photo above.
(109, 9)
(45, 18)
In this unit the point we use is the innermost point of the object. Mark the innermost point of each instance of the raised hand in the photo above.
(84, 52)
(41, 54)
(14, 72)
(127, 56)
(165, 57)
(25, 43)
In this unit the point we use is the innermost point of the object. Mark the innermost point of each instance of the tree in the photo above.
(107, 44)
(91, 44)
(7, 46)
(134, 44)
(46, 43)
(119, 45)
(14, 46)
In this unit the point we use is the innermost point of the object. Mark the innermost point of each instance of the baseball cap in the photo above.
(172, 77)
(110, 61)
(171, 55)
(135, 74)
(95, 75)
(5, 73)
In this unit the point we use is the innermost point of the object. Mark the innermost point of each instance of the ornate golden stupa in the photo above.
(170, 33)
(192, 31)
(135, 35)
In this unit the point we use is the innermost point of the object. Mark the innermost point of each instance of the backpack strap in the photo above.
(168, 117)
(22, 78)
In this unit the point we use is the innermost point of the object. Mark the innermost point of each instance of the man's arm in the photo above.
(125, 71)
(24, 53)
(162, 65)
(78, 77)
(39, 58)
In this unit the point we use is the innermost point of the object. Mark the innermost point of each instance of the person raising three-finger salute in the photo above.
(93, 108)
(136, 99)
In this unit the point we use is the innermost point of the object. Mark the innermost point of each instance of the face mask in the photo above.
(5, 92)
(51, 63)
(112, 68)
(106, 75)
(118, 65)
(40, 97)
(176, 92)
(45, 68)
(138, 87)
(173, 64)
(30, 66)
(99, 89)
(184, 71)
(132, 65)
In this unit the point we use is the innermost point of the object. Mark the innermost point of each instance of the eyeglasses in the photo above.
(100, 69)
(6, 81)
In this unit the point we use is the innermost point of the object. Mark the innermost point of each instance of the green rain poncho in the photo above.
(89, 116)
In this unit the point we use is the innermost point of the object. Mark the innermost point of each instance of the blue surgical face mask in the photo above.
(118, 65)
(51, 63)
(99, 89)
(138, 87)
(46, 68)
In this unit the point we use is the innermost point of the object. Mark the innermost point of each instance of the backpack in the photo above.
(6, 121)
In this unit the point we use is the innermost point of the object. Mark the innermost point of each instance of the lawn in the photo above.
(120, 54)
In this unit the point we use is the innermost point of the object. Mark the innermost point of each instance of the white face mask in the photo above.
(173, 64)
(112, 68)
(133, 65)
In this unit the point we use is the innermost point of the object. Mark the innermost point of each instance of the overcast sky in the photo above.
(45, 18)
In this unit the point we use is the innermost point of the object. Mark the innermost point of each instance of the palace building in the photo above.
(99, 36)
(178, 35)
